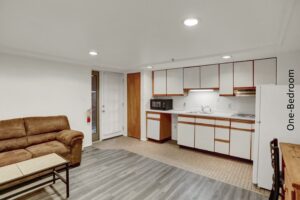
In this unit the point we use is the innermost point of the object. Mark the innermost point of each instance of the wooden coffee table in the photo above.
(44, 165)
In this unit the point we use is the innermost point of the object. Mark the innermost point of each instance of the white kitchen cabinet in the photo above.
(240, 144)
(265, 71)
(160, 83)
(222, 147)
(204, 138)
(243, 74)
(175, 82)
(222, 133)
(226, 79)
(186, 134)
(209, 76)
(153, 129)
(191, 77)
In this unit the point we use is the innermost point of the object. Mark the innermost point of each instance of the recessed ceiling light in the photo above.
(149, 67)
(191, 22)
(93, 53)
(226, 57)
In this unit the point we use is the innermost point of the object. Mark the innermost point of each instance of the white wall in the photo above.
(32, 87)
(285, 62)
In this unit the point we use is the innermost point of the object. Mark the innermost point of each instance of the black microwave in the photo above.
(161, 104)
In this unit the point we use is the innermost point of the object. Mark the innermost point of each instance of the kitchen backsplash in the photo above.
(194, 101)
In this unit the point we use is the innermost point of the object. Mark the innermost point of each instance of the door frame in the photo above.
(96, 137)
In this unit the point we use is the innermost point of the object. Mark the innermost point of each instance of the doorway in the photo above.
(95, 106)
(134, 105)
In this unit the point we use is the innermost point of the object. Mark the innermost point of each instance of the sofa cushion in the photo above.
(37, 139)
(13, 128)
(38, 125)
(14, 156)
(12, 144)
(47, 148)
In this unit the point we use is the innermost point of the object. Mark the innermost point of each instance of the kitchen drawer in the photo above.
(242, 125)
(222, 147)
(186, 119)
(205, 121)
(222, 122)
(222, 133)
(152, 115)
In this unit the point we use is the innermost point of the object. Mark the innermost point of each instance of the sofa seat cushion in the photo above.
(47, 148)
(14, 156)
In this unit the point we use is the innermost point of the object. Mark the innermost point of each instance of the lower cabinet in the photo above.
(205, 137)
(153, 129)
(186, 134)
(221, 147)
(240, 144)
(158, 126)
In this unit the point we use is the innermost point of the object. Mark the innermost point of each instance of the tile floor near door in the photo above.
(230, 171)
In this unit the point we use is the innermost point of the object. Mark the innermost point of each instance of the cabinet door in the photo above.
(191, 77)
(160, 82)
(222, 133)
(153, 129)
(265, 71)
(209, 76)
(240, 144)
(222, 147)
(186, 135)
(204, 137)
(175, 81)
(226, 79)
(243, 74)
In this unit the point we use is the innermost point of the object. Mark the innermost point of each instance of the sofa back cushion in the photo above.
(41, 138)
(40, 125)
(12, 135)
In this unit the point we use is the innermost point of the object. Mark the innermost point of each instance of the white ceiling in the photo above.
(131, 34)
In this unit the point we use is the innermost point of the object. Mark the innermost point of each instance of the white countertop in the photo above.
(214, 114)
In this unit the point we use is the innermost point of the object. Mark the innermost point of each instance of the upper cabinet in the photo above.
(243, 74)
(226, 79)
(175, 82)
(265, 71)
(191, 77)
(209, 77)
(160, 83)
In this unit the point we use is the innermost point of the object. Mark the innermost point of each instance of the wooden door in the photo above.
(134, 105)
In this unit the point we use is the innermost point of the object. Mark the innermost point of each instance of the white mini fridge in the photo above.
(272, 119)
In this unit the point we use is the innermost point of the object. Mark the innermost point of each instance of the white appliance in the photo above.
(272, 118)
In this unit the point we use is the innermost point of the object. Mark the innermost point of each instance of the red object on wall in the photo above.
(88, 119)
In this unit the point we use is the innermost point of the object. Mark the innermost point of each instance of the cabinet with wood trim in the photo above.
(265, 71)
(209, 77)
(243, 74)
(186, 131)
(191, 77)
(159, 83)
(158, 126)
(205, 134)
(241, 139)
(222, 136)
(175, 82)
(226, 79)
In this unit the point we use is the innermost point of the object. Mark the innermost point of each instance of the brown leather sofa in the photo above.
(25, 138)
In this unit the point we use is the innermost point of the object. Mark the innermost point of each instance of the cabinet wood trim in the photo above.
(188, 116)
(224, 127)
(174, 95)
(202, 124)
(181, 122)
(246, 121)
(220, 140)
(204, 117)
(152, 112)
(244, 88)
(227, 95)
(243, 129)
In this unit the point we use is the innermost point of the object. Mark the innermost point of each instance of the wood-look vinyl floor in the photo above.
(119, 174)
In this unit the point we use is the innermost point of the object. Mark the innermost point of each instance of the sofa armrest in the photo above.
(69, 136)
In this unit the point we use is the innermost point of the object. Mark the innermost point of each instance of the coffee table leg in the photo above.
(67, 180)
(53, 174)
